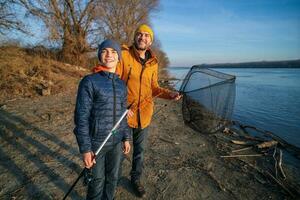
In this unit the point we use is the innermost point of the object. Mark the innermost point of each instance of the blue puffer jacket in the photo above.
(96, 112)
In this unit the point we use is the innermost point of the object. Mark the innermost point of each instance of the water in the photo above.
(266, 98)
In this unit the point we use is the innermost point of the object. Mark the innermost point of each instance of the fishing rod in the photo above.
(86, 170)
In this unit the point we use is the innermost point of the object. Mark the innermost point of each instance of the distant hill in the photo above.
(261, 64)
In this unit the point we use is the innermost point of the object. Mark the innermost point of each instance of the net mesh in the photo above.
(208, 99)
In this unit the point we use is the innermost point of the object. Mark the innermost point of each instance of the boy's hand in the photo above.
(88, 159)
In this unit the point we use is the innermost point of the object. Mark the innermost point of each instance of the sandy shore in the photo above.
(39, 157)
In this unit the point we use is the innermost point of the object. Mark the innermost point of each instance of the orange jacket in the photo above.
(141, 84)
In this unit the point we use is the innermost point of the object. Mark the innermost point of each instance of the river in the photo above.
(267, 98)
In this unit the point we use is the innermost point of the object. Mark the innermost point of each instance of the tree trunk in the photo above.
(75, 48)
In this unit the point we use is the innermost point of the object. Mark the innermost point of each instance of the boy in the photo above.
(101, 100)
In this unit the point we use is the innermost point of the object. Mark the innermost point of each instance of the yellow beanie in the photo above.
(145, 28)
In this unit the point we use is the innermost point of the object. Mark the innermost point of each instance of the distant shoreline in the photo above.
(260, 64)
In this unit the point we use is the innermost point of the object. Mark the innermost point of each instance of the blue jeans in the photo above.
(105, 174)
(139, 137)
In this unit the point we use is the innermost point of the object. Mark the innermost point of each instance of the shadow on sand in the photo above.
(23, 149)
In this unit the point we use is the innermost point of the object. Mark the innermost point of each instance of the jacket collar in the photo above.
(109, 75)
(103, 70)
(152, 58)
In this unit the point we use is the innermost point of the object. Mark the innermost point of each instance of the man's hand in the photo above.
(126, 147)
(88, 159)
(175, 96)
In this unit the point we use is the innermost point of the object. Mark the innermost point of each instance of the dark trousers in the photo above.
(139, 137)
(105, 174)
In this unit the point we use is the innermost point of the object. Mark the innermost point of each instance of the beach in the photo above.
(40, 158)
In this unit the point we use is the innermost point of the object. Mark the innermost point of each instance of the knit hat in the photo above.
(109, 44)
(145, 28)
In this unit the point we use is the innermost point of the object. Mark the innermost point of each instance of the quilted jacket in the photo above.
(101, 100)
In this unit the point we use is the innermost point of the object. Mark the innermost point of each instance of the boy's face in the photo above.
(109, 57)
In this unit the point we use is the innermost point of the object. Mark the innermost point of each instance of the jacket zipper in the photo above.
(114, 106)
(140, 90)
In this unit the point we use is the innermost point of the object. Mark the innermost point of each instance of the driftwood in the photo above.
(263, 145)
(271, 144)
(280, 184)
(240, 142)
(259, 146)
(276, 163)
(291, 148)
(267, 133)
(243, 149)
(267, 144)
(280, 164)
(268, 174)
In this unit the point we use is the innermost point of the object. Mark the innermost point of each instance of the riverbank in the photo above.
(40, 159)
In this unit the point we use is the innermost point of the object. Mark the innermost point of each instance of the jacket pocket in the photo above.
(100, 130)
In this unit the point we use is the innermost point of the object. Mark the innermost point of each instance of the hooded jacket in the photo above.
(101, 100)
(142, 85)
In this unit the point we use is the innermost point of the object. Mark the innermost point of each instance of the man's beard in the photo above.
(139, 48)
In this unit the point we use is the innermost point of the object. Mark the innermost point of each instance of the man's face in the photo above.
(142, 40)
(109, 57)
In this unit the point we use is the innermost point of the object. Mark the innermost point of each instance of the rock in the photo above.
(46, 116)
(3, 106)
(43, 91)
(46, 92)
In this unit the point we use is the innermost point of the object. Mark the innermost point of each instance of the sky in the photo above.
(220, 31)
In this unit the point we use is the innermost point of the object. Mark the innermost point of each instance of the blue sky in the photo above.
(205, 31)
(217, 31)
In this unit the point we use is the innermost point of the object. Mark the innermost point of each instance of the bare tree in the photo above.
(8, 18)
(118, 19)
(78, 25)
(69, 22)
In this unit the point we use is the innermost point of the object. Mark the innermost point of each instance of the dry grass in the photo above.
(27, 74)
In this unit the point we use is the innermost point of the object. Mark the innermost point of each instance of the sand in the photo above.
(39, 157)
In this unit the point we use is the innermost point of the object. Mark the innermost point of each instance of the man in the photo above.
(101, 100)
(139, 70)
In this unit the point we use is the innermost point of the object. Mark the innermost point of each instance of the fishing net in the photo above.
(208, 99)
